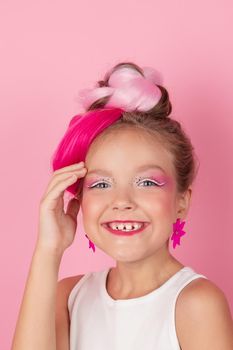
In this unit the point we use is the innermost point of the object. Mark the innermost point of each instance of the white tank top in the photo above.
(99, 322)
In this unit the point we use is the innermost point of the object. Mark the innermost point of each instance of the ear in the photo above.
(183, 203)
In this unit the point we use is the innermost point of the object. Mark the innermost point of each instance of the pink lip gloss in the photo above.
(125, 233)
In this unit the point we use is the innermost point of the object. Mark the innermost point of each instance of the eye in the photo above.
(99, 183)
(153, 182)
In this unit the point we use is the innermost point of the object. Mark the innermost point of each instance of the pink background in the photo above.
(50, 50)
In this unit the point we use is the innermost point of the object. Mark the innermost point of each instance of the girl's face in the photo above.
(130, 176)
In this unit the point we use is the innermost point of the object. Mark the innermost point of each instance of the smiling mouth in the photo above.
(125, 232)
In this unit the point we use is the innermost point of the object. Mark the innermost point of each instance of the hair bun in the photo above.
(127, 88)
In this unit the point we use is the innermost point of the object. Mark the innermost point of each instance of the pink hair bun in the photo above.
(127, 89)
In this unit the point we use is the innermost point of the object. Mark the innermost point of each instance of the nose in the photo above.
(123, 206)
(123, 200)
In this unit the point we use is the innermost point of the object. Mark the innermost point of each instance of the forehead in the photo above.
(128, 148)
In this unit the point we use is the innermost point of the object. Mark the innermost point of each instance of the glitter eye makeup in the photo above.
(151, 179)
(92, 183)
(156, 180)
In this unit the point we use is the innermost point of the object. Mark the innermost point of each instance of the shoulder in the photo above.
(62, 320)
(66, 284)
(203, 317)
(64, 287)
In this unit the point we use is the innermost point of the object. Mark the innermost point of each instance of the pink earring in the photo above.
(91, 244)
(177, 232)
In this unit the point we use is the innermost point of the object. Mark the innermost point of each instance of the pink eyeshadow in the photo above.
(158, 178)
(89, 182)
(161, 179)
(166, 180)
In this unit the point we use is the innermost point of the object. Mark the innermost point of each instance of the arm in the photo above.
(35, 328)
(204, 319)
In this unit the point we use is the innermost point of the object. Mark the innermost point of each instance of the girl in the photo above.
(131, 168)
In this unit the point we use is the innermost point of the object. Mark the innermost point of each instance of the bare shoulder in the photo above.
(64, 287)
(203, 317)
(67, 284)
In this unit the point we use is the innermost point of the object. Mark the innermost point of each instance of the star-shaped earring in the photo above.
(177, 232)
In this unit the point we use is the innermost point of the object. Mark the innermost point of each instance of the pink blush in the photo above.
(169, 182)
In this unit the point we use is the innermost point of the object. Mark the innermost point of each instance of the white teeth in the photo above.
(126, 226)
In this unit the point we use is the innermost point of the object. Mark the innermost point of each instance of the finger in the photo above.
(63, 176)
(51, 199)
(58, 175)
(69, 168)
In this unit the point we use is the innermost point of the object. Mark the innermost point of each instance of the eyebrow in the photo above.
(139, 169)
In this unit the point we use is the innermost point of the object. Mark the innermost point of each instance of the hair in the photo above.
(128, 96)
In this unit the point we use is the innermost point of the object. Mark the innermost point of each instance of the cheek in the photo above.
(89, 215)
(90, 206)
(160, 203)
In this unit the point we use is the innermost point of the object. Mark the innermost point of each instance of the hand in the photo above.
(57, 228)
